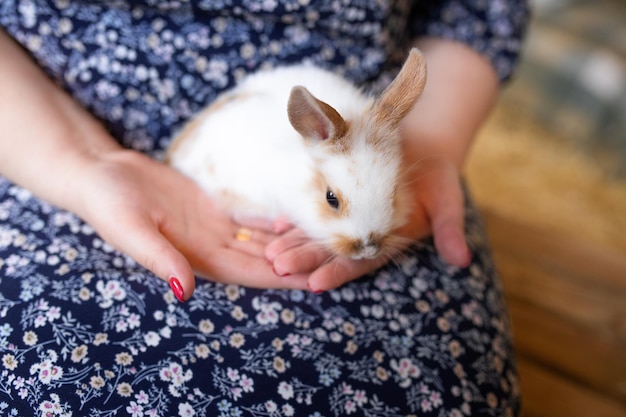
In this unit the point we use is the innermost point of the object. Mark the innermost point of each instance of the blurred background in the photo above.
(549, 174)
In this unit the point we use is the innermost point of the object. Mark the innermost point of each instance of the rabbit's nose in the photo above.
(371, 248)
(367, 248)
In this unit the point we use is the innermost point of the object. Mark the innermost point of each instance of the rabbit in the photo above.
(273, 146)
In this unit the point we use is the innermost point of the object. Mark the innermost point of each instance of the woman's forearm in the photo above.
(460, 91)
(46, 138)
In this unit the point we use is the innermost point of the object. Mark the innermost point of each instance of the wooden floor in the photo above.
(567, 302)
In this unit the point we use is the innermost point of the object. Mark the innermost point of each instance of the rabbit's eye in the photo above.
(332, 199)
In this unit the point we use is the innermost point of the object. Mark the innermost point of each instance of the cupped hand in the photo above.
(166, 223)
(437, 209)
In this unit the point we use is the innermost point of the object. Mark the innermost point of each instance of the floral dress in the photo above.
(86, 331)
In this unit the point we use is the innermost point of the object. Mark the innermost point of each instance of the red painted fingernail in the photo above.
(312, 290)
(177, 289)
(286, 274)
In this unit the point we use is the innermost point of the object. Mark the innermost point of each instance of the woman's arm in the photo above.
(50, 145)
(461, 90)
(45, 137)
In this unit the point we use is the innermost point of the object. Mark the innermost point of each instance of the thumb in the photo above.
(340, 271)
(141, 239)
(445, 207)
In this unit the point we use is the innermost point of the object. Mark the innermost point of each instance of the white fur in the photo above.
(245, 146)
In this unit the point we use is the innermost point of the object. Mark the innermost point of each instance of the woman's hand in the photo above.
(167, 224)
(460, 91)
(438, 210)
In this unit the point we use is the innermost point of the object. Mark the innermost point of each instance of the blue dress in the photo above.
(86, 331)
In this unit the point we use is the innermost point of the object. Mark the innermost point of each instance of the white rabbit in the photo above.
(272, 146)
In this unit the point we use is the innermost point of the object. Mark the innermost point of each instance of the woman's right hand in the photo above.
(168, 224)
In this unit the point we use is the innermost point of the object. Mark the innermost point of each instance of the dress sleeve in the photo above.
(493, 28)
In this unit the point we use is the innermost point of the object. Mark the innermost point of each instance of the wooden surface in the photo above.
(567, 301)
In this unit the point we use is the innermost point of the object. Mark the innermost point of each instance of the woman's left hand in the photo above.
(438, 210)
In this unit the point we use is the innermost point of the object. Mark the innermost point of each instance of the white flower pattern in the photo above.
(85, 330)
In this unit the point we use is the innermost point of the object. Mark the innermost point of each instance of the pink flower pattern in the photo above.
(85, 330)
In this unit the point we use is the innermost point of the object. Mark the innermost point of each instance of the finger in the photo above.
(239, 268)
(250, 241)
(254, 222)
(278, 226)
(282, 225)
(444, 205)
(302, 258)
(141, 239)
(340, 271)
(291, 239)
(451, 244)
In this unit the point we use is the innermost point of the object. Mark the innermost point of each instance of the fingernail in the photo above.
(285, 274)
(177, 289)
(308, 285)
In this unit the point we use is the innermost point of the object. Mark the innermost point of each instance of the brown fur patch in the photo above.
(319, 188)
(315, 119)
(341, 143)
(339, 124)
(393, 245)
(346, 246)
(383, 137)
(350, 247)
(376, 240)
(401, 208)
(398, 99)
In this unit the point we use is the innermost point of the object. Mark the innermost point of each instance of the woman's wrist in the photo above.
(461, 89)
(48, 141)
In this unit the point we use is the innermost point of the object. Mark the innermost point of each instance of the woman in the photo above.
(275, 330)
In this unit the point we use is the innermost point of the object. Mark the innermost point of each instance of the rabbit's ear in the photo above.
(313, 118)
(400, 96)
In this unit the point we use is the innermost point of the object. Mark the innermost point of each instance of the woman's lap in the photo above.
(88, 331)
